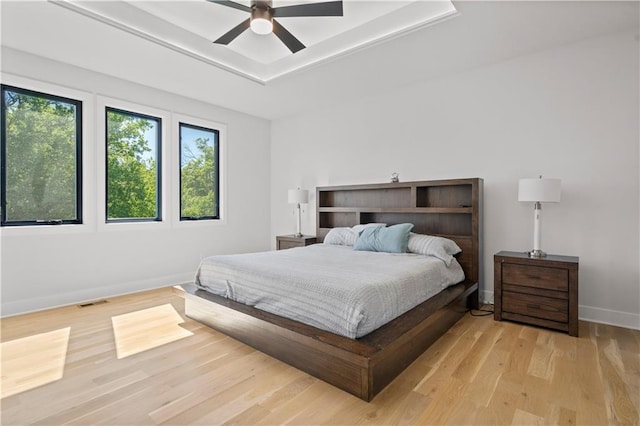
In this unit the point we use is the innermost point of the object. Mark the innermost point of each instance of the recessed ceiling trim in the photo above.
(366, 44)
(152, 38)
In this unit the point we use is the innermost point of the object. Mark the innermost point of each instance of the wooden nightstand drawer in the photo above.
(283, 245)
(536, 276)
(536, 306)
(284, 242)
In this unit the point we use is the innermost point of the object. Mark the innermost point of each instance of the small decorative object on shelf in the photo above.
(537, 291)
(395, 177)
(291, 241)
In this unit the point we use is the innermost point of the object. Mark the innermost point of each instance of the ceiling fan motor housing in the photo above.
(262, 6)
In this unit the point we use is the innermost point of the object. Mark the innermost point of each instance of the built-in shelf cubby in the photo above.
(337, 219)
(373, 198)
(452, 196)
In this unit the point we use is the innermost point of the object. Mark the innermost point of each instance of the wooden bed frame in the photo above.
(364, 366)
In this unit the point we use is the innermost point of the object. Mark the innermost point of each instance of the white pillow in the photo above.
(341, 237)
(439, 247)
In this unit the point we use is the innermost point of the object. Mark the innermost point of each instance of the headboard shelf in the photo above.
(460, 210)
(451, 208)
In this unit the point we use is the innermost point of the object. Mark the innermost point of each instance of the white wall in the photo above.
(42, 268)
(570, 113)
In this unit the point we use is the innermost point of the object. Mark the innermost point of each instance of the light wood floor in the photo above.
(480, 372)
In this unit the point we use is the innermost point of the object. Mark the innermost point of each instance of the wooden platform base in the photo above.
(362, 367)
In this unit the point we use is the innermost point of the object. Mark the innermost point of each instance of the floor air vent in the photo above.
(97, 302)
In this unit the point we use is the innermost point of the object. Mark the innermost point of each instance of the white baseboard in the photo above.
(35, 304)
(592, 314)
(607, 316)
(486, 297)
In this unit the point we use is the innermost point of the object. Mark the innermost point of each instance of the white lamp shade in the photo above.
(298, 196)
(538, 189)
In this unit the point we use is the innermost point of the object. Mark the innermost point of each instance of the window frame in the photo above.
(174, 167)
(79, 141)
(181, 218)
(159, 166)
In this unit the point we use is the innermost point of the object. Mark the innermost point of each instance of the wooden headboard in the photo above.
(449, 208)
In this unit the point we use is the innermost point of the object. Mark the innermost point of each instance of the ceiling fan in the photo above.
(262, 19)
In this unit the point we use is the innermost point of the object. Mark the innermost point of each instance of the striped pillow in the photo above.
(439, 247)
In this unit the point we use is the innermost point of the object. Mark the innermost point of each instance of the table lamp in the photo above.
(298, 196)
(538, 191)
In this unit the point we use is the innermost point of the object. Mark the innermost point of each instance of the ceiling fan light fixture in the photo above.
(261, 26)
(261, 21)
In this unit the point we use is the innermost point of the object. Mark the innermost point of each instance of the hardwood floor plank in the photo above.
(542, 362)
(469, 369)
(621, 410)
(483, 387)
(71, 408)
(517, 366)
(250, 416)
(501, 407)
(591, 404)
(444, 403)
(444, 367)
(203, 390)
(479, 372)
(525, 418)
(563, 388)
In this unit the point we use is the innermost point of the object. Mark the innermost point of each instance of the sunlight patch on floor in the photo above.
(139, 331)
(32, 361)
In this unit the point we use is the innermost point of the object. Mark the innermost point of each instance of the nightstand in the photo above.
(290, 241)
(537, 291)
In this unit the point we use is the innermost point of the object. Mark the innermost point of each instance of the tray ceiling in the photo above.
(191, 26)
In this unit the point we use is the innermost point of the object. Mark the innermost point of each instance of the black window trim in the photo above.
(158, 217)
(217, 171)
(3, 152)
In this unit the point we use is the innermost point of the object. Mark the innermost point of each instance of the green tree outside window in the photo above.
(133, 178)
(199, 177)
(41, 155)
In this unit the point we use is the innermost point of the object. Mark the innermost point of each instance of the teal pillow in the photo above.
(392, 239)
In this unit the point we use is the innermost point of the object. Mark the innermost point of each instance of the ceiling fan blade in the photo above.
(232, 4)
(234, 32)
(330, 8)
(286, 37)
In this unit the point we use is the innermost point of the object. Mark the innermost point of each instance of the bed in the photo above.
(363, 366)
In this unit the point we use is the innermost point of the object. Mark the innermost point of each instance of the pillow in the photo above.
(439, 247)
(359, 228)
(392, 239)
(341, 237)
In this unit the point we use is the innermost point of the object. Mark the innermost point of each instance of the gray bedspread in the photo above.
(334, 288)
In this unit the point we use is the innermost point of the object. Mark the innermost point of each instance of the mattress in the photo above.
(334, 288)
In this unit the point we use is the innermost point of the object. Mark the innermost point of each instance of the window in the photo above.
(133, 178)
(199, 173)
(41, 158)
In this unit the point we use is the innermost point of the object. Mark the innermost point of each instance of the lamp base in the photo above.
(537, 253)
